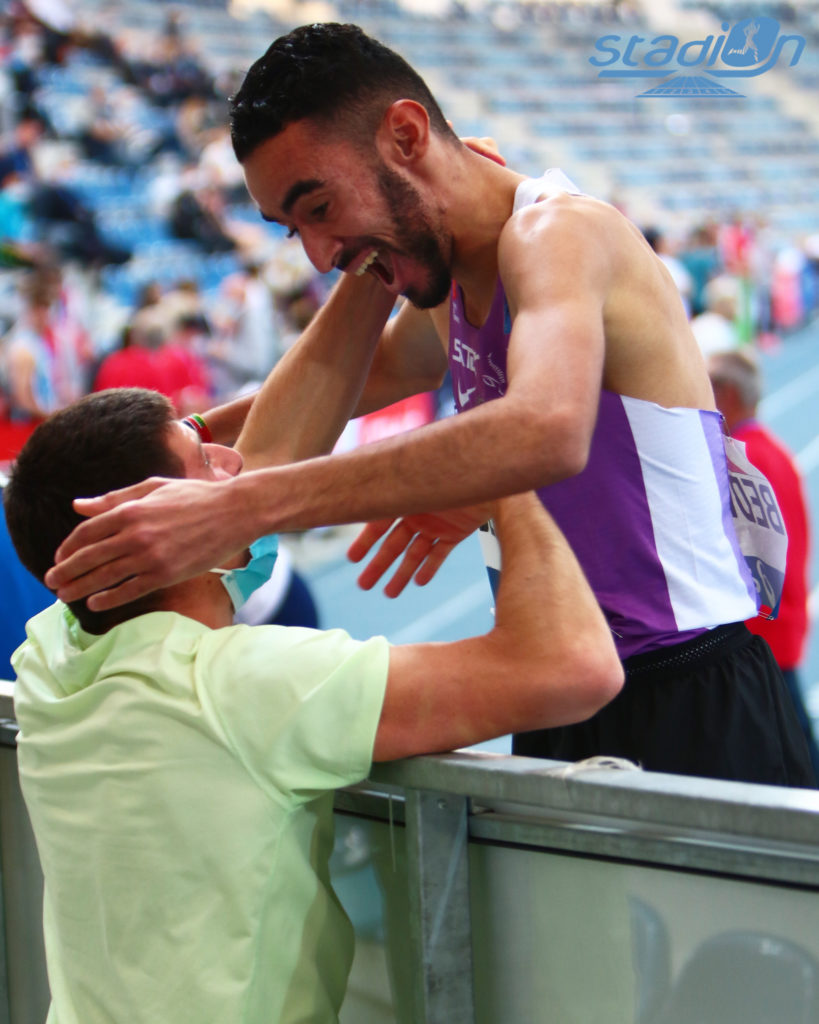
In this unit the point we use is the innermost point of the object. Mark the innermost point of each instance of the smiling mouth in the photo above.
(367, 263)
(377, 265)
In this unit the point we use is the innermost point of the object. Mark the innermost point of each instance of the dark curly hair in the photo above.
(105, 441)
(333, 74)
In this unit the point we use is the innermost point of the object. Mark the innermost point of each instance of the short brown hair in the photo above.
(332, 74)
(105, 441)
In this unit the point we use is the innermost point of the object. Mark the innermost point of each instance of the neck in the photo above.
(203, 598)
(475, 197)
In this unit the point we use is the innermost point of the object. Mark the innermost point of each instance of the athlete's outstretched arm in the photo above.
(422, 542)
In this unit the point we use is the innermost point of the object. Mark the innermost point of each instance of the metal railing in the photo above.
(486, 836)
(506, 883)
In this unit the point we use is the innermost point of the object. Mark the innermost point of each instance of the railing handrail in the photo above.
(673, 802)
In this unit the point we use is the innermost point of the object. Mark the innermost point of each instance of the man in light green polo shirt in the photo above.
(179, 769)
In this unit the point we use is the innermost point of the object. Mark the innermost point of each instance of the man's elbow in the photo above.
(591, 675)
(600, 677)
(552, 447)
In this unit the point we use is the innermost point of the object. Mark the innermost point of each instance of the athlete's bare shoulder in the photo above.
(585, 246)
(557, 212)
(560, 245)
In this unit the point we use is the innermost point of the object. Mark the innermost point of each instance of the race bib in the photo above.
(760, 527)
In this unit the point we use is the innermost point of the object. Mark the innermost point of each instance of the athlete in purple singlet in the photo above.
(577, 375)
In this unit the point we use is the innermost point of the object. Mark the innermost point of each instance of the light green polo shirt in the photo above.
(179, 780)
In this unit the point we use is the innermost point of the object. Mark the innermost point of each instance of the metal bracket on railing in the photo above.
(440, 928)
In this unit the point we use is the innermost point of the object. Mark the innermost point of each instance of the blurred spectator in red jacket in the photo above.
(146, 359)
(187, 377)
(737, 386)
(134, 363)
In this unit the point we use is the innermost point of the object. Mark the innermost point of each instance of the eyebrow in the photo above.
(298, 190)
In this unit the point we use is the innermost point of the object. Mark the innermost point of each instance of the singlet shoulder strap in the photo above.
(530, 190)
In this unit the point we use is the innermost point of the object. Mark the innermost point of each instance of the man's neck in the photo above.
(481, 204)
(203, 599)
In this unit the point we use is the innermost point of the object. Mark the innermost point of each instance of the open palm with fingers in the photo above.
(423, 540)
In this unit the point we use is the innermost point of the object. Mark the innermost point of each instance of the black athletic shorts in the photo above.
(715, 706)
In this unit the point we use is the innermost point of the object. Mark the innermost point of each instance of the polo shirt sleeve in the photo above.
(299, 707)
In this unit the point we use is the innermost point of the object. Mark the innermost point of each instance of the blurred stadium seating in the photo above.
(520, 73)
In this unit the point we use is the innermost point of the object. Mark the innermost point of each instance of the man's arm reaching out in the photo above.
(315, 387)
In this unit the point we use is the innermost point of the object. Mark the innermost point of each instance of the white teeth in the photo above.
(369, 260)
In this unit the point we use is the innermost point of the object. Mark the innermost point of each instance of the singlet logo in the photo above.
(464, 355)
(463, 395)
(497, 379)
(750, 47)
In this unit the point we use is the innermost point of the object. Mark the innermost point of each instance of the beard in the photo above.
(417, 238)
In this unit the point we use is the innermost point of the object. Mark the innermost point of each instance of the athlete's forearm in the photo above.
(477, 456)
(308, 398)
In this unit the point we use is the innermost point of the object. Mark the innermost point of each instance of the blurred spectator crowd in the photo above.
(740, 283)
(130, 253)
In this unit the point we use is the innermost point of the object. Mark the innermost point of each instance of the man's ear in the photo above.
(404, 133)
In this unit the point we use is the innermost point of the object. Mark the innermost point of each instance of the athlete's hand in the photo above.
(424, 541)
(485, 146)
(145, 537)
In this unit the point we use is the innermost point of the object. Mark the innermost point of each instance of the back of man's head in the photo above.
(107, 440)
(740, 371)
(333, 74)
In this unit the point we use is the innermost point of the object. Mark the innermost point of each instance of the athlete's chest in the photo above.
(477, 355)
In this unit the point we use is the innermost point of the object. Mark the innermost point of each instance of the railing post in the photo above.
(440, 930)
(26, 983)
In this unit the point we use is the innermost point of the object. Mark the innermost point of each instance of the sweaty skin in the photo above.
(591, 305)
